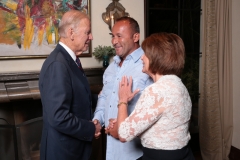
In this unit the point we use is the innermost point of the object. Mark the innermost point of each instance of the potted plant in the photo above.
(104, 53)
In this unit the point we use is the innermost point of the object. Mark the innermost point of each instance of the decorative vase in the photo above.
(105, 61)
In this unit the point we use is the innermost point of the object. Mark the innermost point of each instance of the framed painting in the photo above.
(29, 28)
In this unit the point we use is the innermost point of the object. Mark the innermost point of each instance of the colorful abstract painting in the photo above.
(30, 27)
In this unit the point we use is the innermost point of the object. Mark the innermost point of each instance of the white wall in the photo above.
(236, 73)
(100, 36)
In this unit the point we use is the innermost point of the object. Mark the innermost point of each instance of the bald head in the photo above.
(70, 19)
(75, 31)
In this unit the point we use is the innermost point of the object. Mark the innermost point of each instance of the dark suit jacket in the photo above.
(66, 100)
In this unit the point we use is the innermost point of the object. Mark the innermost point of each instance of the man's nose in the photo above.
(114, 41)
(90, 36)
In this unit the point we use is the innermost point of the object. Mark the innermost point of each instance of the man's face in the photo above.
(82, 36)
(123, 39)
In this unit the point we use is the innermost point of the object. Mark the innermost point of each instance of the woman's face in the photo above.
(145, 64)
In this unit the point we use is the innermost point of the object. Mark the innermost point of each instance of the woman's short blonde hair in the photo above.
(166, 53)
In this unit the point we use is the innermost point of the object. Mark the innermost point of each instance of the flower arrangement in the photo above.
(103, 51)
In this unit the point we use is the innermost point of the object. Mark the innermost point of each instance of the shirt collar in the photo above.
(135, 55)
(70, 52)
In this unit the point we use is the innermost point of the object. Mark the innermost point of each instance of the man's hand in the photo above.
(98, 128)
(112, 128)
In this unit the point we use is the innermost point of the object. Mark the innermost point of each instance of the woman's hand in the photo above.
(125, 93)
(112, 128)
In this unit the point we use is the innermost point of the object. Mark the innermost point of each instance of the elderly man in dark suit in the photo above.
(65, 94)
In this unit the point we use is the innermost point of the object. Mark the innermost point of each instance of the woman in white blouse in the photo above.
(161, 116)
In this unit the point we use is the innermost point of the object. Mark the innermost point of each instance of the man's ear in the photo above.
(70, 33)
(136, 37)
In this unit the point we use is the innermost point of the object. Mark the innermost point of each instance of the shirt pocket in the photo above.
(107, 80)
(138, 83)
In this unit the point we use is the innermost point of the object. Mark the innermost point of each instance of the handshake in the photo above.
(110, 130)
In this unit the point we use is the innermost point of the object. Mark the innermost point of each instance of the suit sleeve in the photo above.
(58, 98)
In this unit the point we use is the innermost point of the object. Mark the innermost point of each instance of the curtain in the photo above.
(215, 105)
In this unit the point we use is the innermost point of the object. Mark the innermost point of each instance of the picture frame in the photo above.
(17, 25)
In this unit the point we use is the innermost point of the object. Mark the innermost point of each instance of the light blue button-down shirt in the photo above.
(108, 100)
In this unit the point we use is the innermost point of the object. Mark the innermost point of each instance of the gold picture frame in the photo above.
(14, 27)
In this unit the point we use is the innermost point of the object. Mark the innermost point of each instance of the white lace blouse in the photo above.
(161, 116)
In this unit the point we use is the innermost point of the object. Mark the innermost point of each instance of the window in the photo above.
(181, 17)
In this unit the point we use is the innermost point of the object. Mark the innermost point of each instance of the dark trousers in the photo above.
(184, 153)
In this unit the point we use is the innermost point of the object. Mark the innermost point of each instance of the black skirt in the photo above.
(184, 153)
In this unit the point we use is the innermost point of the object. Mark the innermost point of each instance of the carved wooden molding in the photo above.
(18, 86)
